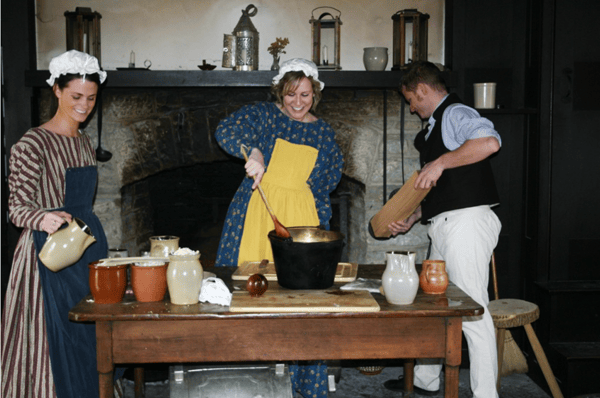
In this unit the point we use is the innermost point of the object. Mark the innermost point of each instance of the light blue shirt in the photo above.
(461, 123)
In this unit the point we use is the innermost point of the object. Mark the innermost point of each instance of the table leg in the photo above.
(105, 359)
(500, 350)
(453, 356)
(138, 377)
(409, 377)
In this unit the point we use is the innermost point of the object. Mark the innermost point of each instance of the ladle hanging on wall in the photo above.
(102, 155)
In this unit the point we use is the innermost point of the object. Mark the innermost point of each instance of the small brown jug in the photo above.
(433, 278)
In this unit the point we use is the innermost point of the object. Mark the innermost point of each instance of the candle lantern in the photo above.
(240, 49)
(326, 39)
(410, 37)
(83, 31)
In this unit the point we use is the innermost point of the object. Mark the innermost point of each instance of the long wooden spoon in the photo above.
(280, 230)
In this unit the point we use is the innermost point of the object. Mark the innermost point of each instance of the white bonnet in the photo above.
(74, 62)
(298, 64)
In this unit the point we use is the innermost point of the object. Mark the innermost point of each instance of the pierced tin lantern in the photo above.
(326, 39)
(240, 49)
(83, 31)
(410, 37)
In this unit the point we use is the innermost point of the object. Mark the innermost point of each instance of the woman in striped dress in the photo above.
(52, 179)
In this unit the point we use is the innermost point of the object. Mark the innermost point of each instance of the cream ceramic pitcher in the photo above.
(400, 280)
(66, 246)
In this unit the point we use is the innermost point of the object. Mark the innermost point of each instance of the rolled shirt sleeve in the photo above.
(461, 123)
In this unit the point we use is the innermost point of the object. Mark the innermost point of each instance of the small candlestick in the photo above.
(132, 60)
(325, 59)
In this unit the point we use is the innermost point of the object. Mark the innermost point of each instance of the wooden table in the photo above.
(137, 333)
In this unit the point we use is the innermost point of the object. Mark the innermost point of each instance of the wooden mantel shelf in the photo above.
(229, 78)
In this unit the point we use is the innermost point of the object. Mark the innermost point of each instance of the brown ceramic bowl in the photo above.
(107, 282)
(149, 282)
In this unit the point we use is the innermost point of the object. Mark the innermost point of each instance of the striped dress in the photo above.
(38, 165)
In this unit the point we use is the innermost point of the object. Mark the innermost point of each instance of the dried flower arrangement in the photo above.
(277, 46)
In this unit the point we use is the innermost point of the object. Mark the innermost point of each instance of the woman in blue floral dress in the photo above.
(267, 129)
(294, 156)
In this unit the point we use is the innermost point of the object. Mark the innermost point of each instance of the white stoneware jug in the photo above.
(184, 278)
(400, 280)
(66, 246)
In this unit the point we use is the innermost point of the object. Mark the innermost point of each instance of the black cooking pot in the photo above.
(309, 259)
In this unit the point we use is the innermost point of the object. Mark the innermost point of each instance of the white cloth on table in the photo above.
(371, 285)
(215, 291)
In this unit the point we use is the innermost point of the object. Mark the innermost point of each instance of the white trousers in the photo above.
(465, 240)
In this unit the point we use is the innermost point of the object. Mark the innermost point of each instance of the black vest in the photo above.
(457, 188)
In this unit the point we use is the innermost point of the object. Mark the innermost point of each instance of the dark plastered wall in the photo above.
(488, 42)
(18, 55)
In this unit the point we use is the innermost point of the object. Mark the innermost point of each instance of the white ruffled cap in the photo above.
(298, 64)
(75, 62)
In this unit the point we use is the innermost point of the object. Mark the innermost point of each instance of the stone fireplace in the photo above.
(167, 175)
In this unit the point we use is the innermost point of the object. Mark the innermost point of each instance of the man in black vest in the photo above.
(454, 154)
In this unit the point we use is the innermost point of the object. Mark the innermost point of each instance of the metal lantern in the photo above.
(83, 31)
(410, 37)
(240, 49)
(326, 39)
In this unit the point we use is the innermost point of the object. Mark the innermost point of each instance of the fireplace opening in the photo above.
(192, 202)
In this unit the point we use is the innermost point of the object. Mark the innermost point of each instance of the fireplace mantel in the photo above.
(229, 78)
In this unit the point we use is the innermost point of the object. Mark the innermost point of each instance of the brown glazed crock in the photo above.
(107, 283)
(149, 282)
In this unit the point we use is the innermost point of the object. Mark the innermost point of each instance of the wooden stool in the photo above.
(510, 313)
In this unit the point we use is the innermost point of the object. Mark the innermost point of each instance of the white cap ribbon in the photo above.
(74, 62)
(298, 64)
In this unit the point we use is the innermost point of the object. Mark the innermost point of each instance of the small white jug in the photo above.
(400, 280)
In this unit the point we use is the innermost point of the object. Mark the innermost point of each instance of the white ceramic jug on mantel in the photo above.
(400, 280)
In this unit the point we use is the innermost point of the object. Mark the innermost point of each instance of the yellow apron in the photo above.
(289, 195)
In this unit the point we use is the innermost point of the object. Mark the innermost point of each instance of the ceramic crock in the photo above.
(66, 246)
(375, 58)
(107, 282)
(163, 246)
(149, 281)
(184, 278)
(433, 279)
(400, 281)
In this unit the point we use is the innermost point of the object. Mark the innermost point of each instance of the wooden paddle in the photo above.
(280, 230)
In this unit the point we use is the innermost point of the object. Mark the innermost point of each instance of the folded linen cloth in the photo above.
(371, 285)
(215, 291)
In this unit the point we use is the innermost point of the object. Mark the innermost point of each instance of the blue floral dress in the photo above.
(259, 126)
